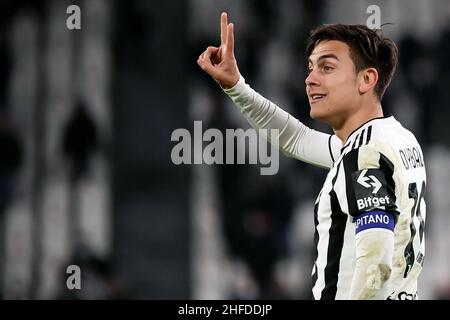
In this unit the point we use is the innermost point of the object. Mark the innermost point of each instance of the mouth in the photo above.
(316, 97)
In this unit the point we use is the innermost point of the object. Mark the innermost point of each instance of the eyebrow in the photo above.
(325, 56)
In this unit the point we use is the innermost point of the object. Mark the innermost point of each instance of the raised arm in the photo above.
(295, 139)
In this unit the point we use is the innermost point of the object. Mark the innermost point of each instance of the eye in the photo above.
(327, 68)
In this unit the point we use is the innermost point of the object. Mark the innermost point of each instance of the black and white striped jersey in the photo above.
(381, 167)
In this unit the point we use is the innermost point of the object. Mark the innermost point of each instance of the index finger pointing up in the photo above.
(230, 39)
(223, 28)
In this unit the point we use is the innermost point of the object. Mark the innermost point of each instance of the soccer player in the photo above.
(370, 214)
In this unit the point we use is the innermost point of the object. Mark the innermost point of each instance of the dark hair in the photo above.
(368, 49)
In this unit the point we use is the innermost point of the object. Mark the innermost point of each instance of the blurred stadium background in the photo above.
(86, 118)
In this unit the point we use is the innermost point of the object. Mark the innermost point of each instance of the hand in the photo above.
(220, 63)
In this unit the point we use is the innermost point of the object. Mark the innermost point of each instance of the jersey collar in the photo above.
(356, 133)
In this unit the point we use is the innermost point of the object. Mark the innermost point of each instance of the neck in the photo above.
(355, 120)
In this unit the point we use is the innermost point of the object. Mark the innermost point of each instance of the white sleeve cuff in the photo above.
(237, 89)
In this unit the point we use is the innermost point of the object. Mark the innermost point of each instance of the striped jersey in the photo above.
(381, 167)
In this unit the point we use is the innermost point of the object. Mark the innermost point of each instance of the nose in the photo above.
(311, 79)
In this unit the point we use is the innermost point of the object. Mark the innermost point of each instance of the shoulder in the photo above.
(374, 155)
(388, 141)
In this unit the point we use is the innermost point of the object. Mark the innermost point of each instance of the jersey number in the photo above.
(410, 255)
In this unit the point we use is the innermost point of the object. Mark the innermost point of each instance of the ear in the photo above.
(368, 79)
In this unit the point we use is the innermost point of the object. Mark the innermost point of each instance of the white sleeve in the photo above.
(374, 251)
(295, 139)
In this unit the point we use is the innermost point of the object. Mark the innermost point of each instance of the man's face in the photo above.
(332, 83)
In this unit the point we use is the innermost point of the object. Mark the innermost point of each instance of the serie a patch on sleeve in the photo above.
(374, 220)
